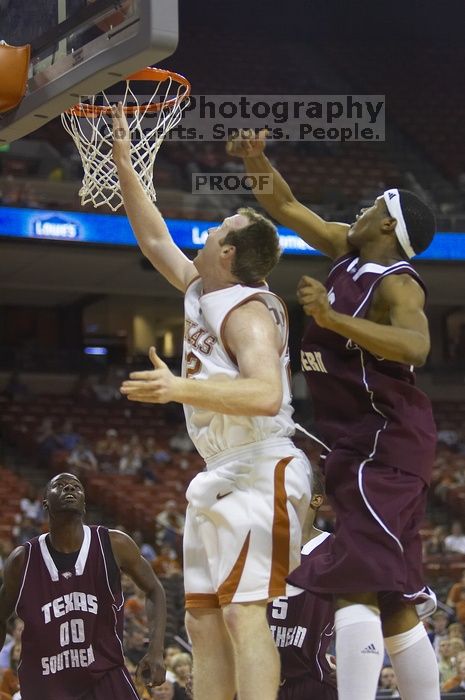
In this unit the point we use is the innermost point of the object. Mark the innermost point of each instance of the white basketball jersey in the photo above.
(205, 356)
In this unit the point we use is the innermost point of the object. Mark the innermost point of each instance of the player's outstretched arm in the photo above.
(329, 238)
(128, 557)
(10, 588)
(403, 338)
(149, 227)
(252, 337)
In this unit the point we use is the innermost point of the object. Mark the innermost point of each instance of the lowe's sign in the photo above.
(55, 227)
(111, 229)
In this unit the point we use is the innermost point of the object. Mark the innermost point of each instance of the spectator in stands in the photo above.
(455, 542)
(168, 655)
(31, 505)
(171, 524)
(165, 691)
(154, 456)
(181, 442)
(10, 682)
(453, 594)
(447, 435)
(106, 388)
(453, 682)
(146, 548)
(81, 460)
(455, 630)
(448, 480)
(150, 447)
(68, 438)
(460, 687)
(108, 451)
(134, 607)
(460, 607)
(127, 584)
(162, 456)
(440, 621)
(13, 638)
(388, 683)
(183, 460)
(147, 473)
(457, 646)
(47, 442)
(435, 544)
(182, 668)
(174, 591)
(26, 529)
(131, 460)
(446, 664)
(167, 562)
(136, 644)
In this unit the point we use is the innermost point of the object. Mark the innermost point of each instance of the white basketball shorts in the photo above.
(243, 527)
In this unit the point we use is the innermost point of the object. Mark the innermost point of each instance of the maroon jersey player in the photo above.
(366, 333)
(302, 625)
(66, 587)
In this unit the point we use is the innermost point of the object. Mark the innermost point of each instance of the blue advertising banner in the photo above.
(108, 229)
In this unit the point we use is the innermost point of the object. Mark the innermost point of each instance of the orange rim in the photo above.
(148, 74)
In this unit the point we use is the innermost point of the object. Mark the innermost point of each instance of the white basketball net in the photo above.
(90, 126)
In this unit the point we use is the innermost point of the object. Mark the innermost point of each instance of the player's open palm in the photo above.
(151, 386)
(313, 297)
(247, 144)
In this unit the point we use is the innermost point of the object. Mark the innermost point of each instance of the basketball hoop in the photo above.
(90, 126)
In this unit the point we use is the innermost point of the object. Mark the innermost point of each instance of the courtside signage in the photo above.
(107, 229)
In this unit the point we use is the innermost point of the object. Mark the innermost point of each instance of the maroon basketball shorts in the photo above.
(377, 546)
(306, 687)
(114, 685)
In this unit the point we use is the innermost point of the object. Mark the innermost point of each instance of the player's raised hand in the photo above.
(121, 136)
(313, 297)
(151, 386)
(247, 144)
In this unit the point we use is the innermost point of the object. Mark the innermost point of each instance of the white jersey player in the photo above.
(245, 512)
(205, 356)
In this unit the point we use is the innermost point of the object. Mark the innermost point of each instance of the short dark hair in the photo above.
(419, 220)
(48, 485)
(257, 248)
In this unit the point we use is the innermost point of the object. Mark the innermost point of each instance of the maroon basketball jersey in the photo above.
(302, 625)
(73, 620)
(365, 403)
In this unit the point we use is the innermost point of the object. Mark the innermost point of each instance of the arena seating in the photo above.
(12, 489)
(123, 498)
(419, 94)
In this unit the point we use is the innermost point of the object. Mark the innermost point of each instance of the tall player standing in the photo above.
(66, 587)
(244, 519)
(366, 332)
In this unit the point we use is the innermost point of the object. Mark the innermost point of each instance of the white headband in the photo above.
(392, 199)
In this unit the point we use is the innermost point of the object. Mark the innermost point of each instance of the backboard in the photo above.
(80, 47)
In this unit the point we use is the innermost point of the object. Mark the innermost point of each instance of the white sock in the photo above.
(415, 664)
(359, 652)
